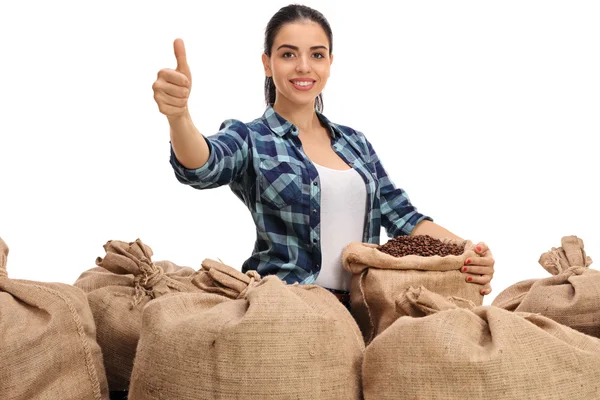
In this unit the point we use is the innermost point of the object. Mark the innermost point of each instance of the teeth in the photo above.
(303, 83)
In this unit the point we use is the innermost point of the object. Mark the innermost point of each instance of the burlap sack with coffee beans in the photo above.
(482, 353)
(378, 278)
(571, 296)
(125, 280)
(250, 339)
(48, 348)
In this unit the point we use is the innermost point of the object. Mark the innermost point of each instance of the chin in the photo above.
(303, 100)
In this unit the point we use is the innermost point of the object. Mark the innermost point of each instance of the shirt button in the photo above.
(315, 240)
(315, 183)
(314, 211)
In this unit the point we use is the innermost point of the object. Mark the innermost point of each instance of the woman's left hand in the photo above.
(480, 270)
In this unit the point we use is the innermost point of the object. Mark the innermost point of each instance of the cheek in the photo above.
(324, 71)
(280, 68)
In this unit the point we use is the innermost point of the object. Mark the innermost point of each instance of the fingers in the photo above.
(483, 261)
(169, 105)
(487, 289)
(481, 248)
(180, 55)
(174, 77)
(172, 86)
(181, 92)
(478, 279)
(171, 92)
(161, 98)
(479, 270)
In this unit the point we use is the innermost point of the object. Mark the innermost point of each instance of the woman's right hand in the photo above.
(172, 86)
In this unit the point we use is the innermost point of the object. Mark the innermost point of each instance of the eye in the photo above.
(287, 54)
(319, 55)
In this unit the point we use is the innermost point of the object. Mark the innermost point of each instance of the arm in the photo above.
(172, 89)
(434, 230)
(226, 155)
(198, 161)
(398, 215)
(188, 144)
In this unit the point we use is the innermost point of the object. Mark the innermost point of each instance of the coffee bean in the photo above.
(420, 245)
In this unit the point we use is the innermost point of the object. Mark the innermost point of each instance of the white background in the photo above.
(484, 112)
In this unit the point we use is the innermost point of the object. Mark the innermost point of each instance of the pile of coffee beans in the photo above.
(420, 245)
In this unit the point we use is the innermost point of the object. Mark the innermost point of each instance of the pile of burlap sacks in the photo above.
(162, 331)
(429, 337)
(419, 331)
(48, 347)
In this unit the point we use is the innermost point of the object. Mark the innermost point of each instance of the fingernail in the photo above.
(464, 269)
(482, 292)
(468, 261)
(469, 279)
(478, 248)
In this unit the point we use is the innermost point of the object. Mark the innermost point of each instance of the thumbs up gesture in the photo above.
(172, 86)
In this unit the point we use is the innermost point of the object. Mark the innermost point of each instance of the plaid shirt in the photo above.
(264, 165)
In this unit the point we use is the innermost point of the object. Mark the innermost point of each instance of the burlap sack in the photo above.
(125, 280)
(378, 278)
(48, 348)
(250, 339)
(484, 353)
(570, 297)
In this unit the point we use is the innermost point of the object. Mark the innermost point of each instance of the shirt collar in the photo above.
(280, 126)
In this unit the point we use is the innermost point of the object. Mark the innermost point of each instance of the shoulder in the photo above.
(259, 126)
(245, 129)
(348, 131)
(353, 135)
(345, 130)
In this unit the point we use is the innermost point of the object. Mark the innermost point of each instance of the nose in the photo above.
(303, 65)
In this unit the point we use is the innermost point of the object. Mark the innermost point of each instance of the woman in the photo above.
(312, 186)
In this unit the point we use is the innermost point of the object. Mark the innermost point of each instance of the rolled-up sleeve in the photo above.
(398, 215)
(229, 150)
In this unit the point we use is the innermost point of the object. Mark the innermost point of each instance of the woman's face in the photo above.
(299, 62)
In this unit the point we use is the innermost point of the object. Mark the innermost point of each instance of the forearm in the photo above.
(189, 146)
(434, 230)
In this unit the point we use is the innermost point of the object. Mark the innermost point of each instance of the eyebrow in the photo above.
(296, 47)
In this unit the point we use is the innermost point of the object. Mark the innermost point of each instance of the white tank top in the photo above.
(343, 212)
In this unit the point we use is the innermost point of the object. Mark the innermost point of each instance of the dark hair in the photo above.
(286, 15)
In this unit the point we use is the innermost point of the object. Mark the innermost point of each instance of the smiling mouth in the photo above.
(303, 85)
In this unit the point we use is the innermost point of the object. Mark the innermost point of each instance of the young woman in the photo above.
(312, 186)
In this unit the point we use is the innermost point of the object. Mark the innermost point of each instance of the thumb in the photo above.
(182, 65)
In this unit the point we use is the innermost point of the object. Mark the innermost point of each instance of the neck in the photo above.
(303, 116)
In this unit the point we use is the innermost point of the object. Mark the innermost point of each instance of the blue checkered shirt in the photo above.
(264, 165)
